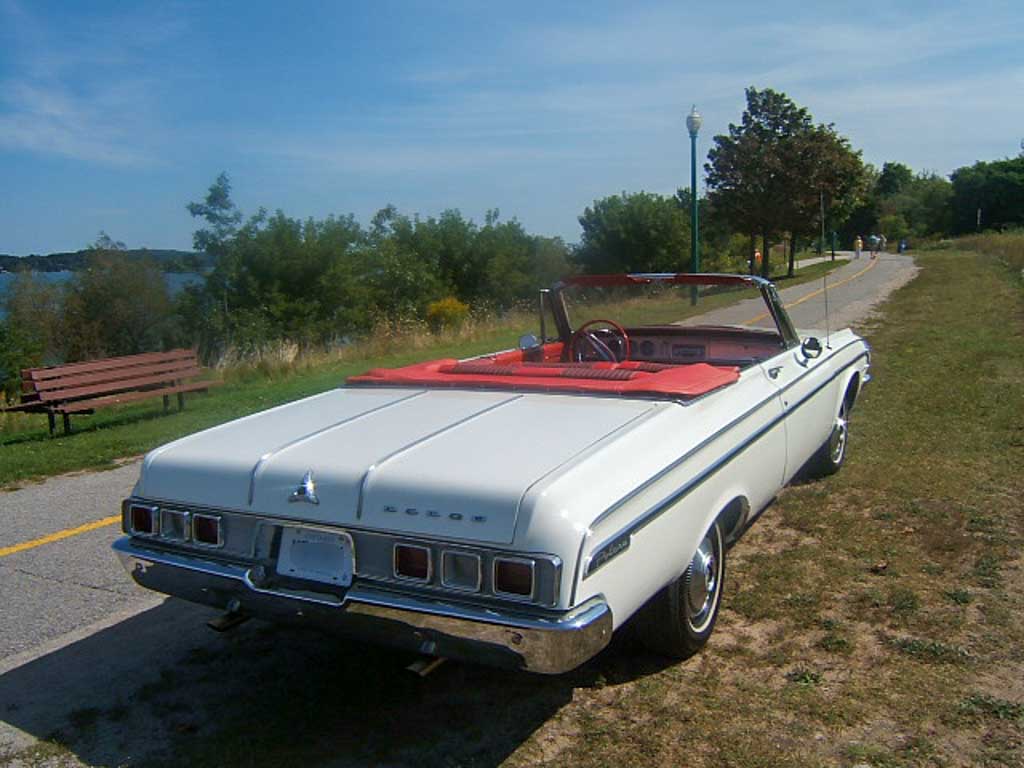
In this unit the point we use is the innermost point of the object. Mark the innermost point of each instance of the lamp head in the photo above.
(693, 122)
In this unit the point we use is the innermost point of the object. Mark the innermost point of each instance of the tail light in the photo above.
(144, 520)
(461, 570)
(206, 530)
(513, 577)
(174, 525)
(412, 562)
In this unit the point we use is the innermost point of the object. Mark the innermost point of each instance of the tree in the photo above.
(996, 189)
(827, 177)
(768, 174)
(894, 178)
(117, 306)
(639, 232)
(221, 215)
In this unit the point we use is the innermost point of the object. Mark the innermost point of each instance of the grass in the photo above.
(1008, 247)
(101, 440)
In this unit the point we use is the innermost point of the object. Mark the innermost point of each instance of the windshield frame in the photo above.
(557, 304)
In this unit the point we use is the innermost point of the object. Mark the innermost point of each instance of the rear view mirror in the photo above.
(528, 341)
(811, 348)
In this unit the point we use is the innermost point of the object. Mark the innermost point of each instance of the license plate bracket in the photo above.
(316, 555)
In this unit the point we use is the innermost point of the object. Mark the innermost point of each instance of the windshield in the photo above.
(728, 301)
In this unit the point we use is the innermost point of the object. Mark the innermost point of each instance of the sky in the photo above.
(113, 116)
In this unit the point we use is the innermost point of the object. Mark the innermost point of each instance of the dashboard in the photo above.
(718, 346)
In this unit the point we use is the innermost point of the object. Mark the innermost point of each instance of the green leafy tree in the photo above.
(118, 306)
(767, 175)
(638, 232)
(894, 178)
(922, 207)
(994, 188)
(29, 330)
(220, 214)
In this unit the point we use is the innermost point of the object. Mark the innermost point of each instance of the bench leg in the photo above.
(181, 401)
(67, 423)
(167, 403)
(53, 422)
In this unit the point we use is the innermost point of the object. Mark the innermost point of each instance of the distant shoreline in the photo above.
(75, 261)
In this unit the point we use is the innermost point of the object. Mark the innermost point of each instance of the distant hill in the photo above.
(169, 260)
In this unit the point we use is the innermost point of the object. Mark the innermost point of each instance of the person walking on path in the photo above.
(881, 242)
(858, 246)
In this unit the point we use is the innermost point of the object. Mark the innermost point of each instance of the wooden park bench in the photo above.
(84, 387)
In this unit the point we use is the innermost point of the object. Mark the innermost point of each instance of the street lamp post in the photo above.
(693, 123)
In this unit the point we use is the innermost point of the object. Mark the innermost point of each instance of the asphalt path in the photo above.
(77, 636)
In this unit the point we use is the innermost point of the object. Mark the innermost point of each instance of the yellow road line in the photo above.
(812, 294)
(65, 534)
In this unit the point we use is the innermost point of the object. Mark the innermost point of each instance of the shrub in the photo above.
(447, 313)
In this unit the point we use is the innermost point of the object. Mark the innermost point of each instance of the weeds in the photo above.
(983, 705)
(930, 650)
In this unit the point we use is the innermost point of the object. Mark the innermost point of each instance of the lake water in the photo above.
(176, 281)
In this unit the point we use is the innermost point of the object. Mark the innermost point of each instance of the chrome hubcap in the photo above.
(702, 585)
(838, 440)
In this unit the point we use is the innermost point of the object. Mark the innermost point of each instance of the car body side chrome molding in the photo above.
(661, 507)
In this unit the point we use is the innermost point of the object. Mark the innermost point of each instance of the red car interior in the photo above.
(510, 370)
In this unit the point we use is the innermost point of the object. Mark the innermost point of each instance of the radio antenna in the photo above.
(825, 288)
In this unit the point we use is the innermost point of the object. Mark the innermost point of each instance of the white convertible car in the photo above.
(514, 508)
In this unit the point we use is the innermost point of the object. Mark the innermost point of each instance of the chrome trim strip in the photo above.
(380, 462)
(661, 507)
(292, 443)
(708, 440)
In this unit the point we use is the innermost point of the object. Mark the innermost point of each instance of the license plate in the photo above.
(316, 555)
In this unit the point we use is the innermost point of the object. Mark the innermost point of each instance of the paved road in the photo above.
(76, 636)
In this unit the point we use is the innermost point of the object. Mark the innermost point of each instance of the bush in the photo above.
(17, 351)
(445, 314)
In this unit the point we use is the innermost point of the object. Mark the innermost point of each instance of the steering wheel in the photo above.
(601, 348)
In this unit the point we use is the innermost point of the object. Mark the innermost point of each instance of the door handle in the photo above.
(773, 373)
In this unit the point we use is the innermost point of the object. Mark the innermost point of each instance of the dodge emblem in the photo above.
(306, 491)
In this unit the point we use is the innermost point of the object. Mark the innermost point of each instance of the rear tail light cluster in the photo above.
(207, 530)
(174, 525)
(513, 577)
(461, 570)
(413, 562)
(144, 520)
(531, 579)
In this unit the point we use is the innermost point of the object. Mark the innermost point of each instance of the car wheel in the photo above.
(678, 621)
(828, 459)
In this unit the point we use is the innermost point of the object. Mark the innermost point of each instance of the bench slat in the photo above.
(170, 370)
(128, 361)
(126, 397)
(114, 387)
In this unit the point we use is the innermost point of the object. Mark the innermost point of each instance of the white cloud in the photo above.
(83, 95)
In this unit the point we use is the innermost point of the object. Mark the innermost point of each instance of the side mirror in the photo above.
(528, 341)
(811, 348)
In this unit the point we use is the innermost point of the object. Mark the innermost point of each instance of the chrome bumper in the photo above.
(549, 645)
